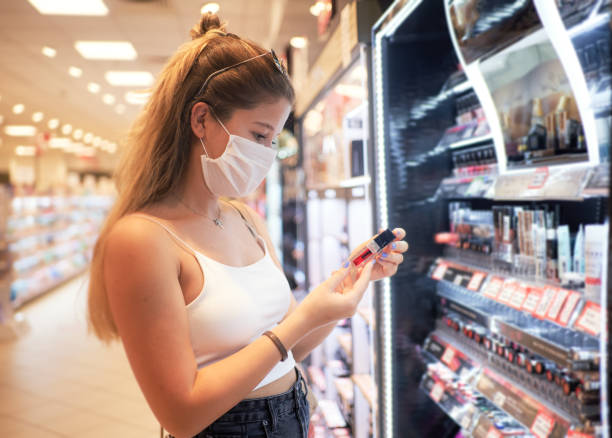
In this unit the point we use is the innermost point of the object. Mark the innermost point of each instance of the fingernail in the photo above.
(384, 255)
(373, 261)
(346, 265)
(394, 245)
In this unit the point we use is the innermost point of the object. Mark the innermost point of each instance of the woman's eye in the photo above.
(259, 138)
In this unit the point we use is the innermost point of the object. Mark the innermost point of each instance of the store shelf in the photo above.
(471, 141)
(366, 385)
(344, 386)
(332, 414)
(346, 343)
(567, 347)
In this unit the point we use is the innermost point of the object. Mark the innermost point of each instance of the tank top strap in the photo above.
(169, 230)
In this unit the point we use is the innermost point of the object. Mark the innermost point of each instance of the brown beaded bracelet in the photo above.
(278, 343)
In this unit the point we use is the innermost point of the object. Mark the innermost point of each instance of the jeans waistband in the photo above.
(256, 409)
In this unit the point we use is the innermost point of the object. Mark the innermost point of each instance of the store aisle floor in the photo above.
(59, 381)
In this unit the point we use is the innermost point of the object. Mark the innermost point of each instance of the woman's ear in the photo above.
(199, 113)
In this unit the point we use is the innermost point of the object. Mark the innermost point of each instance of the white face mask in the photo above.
(240, 170)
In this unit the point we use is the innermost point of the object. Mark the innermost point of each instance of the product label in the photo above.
(493, 287)
(518, 296)
(542, 425)
(449, 358)
(476, 281)
(439, 272)
(437, 391)
(568, 308)
(590, 319)
(493, 433)
(547, 298)
(499, 399)
(539, 178)
(557, 304)
(507, 291)
(533, 298)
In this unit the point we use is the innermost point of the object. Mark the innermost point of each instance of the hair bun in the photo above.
(208, 22)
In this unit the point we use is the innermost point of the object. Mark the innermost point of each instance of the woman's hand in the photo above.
(389, 259)
(338, 296)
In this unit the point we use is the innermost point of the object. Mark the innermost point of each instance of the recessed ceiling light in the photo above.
(19, 108)
(60, 143)
(53, 123)
(129, 78)
(20, 130)
(37, 116)
(108, 99)
(77, 134)
(75, 72)
(88, 138)
(49, 52)
(137, 97)
(97, 141)
(25, 151)
(112, 148)
(211, 7)
(67, 129)
(123, 50)
(298, 42)
(120, 109)
(93, 87)
(70, 7)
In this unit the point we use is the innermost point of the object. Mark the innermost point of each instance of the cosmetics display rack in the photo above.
(499, 172)
(50, 239)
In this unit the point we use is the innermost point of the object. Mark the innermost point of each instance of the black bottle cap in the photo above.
(384, 238)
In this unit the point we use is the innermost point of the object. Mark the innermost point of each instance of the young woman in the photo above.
(189, 280)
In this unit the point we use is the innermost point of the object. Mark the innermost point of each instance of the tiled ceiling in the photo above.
(155, 28)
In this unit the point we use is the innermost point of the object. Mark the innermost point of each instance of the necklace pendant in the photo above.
(218, 223)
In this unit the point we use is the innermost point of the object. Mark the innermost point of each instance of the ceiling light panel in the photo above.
(129, 78)
(20, 130)
(118, 50)
(70, 7)
(75, 72)
(49, 52)
(137, 97)
(25, 151)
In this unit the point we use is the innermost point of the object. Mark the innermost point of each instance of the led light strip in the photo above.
(386, 409)
(559, 38)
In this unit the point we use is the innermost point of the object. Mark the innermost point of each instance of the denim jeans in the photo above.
(284, 415)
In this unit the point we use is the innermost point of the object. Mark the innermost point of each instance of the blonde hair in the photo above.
(159, 141)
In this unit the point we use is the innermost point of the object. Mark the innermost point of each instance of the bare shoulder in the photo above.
(134, 239)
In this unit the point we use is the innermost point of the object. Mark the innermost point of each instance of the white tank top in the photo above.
(235, 306)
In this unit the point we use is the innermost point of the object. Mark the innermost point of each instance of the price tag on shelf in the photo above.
(557, 304)
(547, 298)
(518, 296)
(439, 272)
(542, 425)
(449, 358)
(507, 291)
(590, 319)
(437, 391)
(539, 178)
(499, 399)
(493, 433)
(493, 287)
(476, 281)
(568, 308)
(534, 295)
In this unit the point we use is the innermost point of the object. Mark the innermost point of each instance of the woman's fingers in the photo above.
(337, 278)
(364, 278)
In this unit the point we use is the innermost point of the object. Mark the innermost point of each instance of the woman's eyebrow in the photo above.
(265, 125)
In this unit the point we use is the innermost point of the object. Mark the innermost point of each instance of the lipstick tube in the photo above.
(375, 246)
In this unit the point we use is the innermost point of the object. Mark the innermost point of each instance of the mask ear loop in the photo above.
(203, 147)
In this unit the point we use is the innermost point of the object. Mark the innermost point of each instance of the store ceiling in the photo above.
(154, 27)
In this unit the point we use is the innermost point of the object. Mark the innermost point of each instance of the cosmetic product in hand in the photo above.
(374, 247)
(536, 138)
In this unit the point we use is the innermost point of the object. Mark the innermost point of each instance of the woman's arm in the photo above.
(141, 271)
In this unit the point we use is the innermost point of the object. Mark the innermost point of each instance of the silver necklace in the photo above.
(217, 221)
